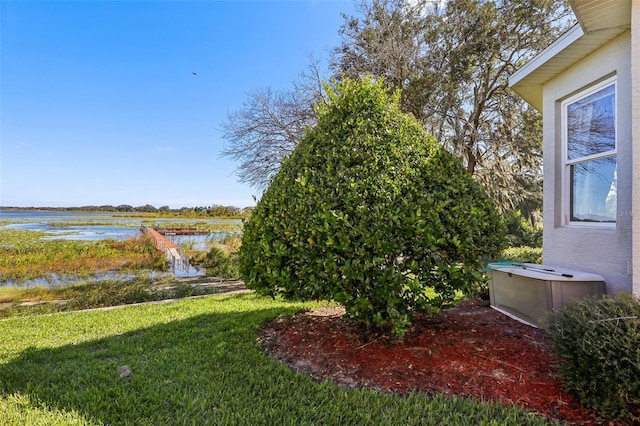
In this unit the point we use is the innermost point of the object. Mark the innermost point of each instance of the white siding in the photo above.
(635, 85)
(606, 252)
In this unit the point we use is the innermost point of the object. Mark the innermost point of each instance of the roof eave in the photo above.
(570, 48)
(526, 83)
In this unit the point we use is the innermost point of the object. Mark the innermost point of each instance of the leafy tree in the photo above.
(453, 59)
(124, 208)
(147, 208)
(371, 212)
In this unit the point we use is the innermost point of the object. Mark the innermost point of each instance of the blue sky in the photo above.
(98, 103)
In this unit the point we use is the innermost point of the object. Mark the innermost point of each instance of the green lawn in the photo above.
(194, 361)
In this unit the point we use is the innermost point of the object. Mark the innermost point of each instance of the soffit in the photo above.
(599, 22)
(594, 15)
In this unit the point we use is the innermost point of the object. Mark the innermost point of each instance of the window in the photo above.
(589, 130)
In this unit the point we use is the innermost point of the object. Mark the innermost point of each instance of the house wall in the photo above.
(601, 250)
(635, 90)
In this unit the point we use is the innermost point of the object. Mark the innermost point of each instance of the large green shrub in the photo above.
(369, 211)
(519, 231)
(522, 254)
(599, 342)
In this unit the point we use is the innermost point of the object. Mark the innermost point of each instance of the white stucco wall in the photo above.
(635, 90)
(604, 251)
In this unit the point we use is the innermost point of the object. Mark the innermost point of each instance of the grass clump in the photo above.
(111, 292)
(194, 361)
(222, 258)
(599, 342)
(221, 264)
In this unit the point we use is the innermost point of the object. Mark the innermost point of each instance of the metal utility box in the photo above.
(527, 291)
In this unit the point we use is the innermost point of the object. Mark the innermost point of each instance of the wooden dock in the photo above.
(171, 251)
(162, 242)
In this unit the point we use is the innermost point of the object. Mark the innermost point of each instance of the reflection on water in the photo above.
(182, 268)
(55, 280)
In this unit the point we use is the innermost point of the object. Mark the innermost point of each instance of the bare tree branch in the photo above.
(269, 125)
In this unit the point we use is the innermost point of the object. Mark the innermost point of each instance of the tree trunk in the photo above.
(471, 160)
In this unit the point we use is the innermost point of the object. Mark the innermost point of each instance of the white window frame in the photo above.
(567, 163)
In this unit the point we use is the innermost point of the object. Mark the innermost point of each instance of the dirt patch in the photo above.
(470, 351)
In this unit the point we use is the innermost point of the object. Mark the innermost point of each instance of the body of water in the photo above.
(100, 226)
(71, 225)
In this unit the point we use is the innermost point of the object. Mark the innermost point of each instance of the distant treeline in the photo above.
(211, 211)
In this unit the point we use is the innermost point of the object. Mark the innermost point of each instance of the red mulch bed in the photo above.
(469, 351)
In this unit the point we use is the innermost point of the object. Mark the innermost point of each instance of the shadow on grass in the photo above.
(207, 369)
(192, 370)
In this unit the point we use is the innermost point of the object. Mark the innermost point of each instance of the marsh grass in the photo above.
(229, 243)
(91, 294)
(221, 258)
(213, 226)
(83, 295)
(194, 361)
(24, 255)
